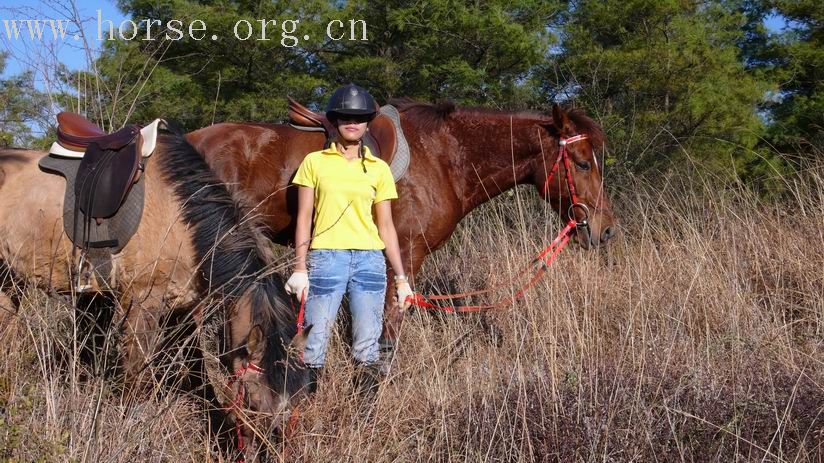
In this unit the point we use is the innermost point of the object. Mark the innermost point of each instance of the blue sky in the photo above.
(68, 51)
(775, 22)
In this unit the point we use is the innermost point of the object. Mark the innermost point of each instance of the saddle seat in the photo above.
(75, 133)
(381, 137)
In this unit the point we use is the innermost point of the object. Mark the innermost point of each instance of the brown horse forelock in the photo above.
(231, 254)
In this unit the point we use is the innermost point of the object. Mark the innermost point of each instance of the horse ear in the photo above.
(561, 121)
(298, 343)
(254, 344)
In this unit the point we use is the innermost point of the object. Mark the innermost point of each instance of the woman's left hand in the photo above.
(404, 291)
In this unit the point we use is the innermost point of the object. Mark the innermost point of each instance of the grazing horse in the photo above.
(195, 246)
(460, 158)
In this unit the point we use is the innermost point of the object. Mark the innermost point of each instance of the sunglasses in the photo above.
(357, 119)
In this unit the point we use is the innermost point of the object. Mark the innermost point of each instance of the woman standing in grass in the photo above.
(338, 189)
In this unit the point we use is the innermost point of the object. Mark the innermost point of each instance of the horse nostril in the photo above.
(607, 234)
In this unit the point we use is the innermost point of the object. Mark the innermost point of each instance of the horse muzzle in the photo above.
(589, 236)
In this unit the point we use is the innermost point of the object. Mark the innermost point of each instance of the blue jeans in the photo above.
(333, 272)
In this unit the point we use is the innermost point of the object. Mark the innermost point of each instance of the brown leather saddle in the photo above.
(103, 201)
(111, 164)
(381, 137)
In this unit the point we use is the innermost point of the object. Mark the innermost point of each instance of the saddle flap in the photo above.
(104, 178)
(110, 234)
(383, 132)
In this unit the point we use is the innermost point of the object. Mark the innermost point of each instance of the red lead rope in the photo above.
(544, 259)
(301, 315)
(295, 415)
(237, 403)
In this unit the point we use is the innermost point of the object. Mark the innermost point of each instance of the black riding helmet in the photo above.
(352, 100)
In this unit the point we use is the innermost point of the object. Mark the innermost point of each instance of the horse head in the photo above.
(569, 176)
(269, 379)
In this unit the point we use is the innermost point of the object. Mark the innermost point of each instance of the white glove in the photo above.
(298, 284)
(403, 290)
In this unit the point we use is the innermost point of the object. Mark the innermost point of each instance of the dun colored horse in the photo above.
(460, 158)
(194, 246)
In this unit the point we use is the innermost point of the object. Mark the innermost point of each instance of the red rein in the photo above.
(543, 260)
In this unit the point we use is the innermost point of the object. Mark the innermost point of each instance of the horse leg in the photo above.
(7, 311)
(141, 323)
(8, 307)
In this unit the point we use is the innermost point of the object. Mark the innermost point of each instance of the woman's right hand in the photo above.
(298, 284)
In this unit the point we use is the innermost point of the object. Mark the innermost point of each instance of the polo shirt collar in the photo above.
(334, 150)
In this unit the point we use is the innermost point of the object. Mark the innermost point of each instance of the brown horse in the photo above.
(460, 158)
(195, 246)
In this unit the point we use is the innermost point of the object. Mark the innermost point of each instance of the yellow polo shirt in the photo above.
(344, 196)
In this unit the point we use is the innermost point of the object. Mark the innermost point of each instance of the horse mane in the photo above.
(275, 345)
(431, 116)
(229, 245)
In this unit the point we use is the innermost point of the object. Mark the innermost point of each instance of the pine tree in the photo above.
(468, 51)
(200, 81)
(665, 78)
(796, 56)
(479, 53)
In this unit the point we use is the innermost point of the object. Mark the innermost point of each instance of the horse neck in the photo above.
(498, 150)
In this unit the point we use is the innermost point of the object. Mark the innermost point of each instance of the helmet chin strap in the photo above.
(361, 150)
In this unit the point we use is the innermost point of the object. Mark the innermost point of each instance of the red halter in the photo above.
(237, 403)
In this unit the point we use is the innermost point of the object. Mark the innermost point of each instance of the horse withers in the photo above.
(459, 158)
(196, 247)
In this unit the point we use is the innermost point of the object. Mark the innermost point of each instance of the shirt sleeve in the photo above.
(305, 175)
(386, 186)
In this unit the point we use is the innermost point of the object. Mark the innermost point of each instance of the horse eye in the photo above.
(583, 165)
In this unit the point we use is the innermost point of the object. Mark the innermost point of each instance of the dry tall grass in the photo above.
(696, 336)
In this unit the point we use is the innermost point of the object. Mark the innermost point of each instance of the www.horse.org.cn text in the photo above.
(176, 29)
